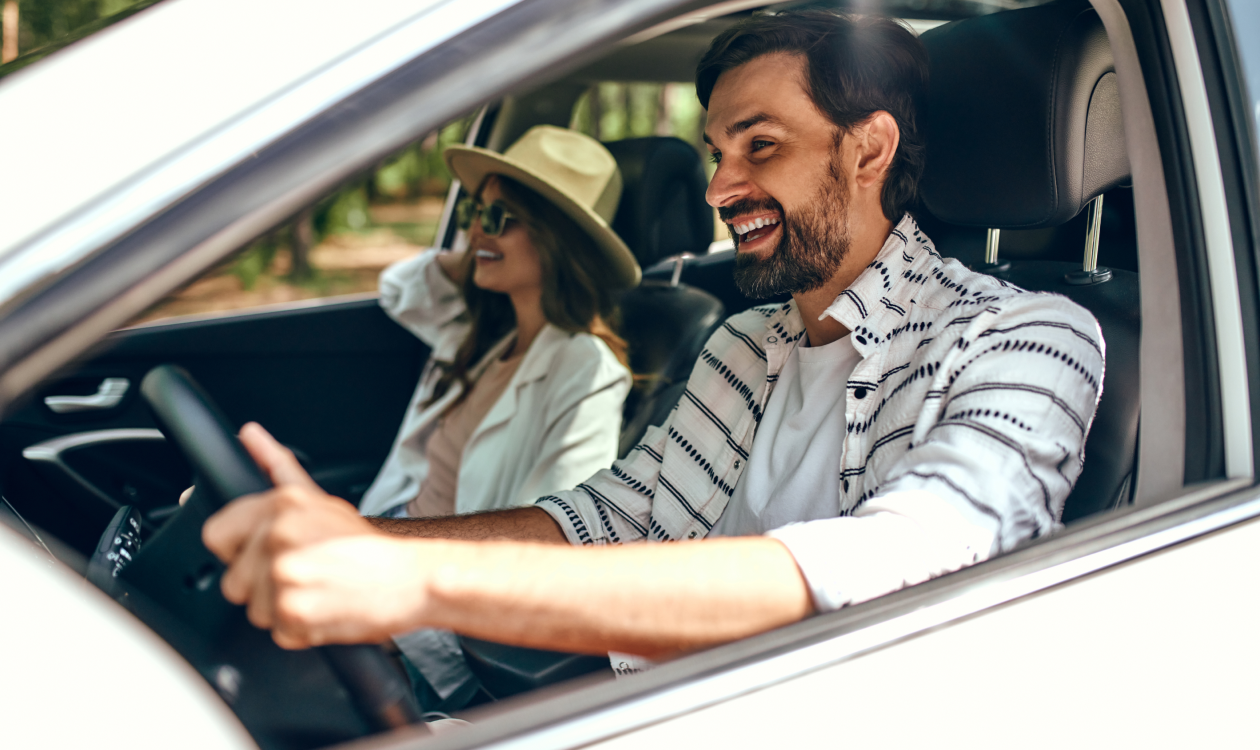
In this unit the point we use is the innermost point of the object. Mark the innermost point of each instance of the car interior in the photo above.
(1048, 208)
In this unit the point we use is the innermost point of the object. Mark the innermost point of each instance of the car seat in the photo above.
(662, 215)
(1029, 144)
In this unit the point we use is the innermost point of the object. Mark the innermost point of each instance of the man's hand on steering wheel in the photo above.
(306, 564)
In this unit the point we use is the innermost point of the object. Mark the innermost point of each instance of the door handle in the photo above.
(108, 395)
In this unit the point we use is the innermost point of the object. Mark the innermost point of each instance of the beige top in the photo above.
(445, 448)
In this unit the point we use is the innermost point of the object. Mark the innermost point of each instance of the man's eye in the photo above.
(758, 145)
(715, 157)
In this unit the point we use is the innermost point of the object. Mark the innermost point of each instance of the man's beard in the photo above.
(813, 244)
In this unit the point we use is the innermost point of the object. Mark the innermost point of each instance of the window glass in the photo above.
(338, 246)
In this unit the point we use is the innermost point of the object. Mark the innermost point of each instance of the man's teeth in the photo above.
(488, 255)
(748, 226)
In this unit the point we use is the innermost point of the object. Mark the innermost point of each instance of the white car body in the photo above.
(1137, 628)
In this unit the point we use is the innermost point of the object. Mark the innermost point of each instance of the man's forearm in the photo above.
(649, 599)
(515, 524)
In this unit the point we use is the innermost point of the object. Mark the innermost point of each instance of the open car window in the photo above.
(339, 245)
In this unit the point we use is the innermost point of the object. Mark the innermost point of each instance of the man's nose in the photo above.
(729, 184)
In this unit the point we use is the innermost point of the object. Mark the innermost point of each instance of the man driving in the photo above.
(901, 417)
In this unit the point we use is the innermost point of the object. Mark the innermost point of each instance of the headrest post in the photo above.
(991, 264)
(680, 260)
(1093, 222)
(991, 247)
(1090, 273)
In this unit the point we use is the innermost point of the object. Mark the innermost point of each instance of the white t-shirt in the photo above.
(793, 469)
(790, 491)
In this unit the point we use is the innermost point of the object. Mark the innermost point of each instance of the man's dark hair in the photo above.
(856, 66)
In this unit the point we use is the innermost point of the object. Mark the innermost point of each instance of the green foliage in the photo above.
(419, 169)
(45, 26)
(346, 211)
(255, 260)
(45, 21)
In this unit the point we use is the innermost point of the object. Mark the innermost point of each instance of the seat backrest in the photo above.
(666, 327)
(662, 214)
(1028, 144)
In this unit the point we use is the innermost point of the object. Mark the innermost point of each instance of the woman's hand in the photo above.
(306, 564)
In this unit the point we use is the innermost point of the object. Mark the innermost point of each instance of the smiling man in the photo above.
(901, 417)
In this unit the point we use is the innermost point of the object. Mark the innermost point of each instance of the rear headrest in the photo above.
(662, 210)
(1022, 117)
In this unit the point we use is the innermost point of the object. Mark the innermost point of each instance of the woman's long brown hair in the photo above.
(576, 279)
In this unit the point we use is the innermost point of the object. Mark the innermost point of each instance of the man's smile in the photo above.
(751, 230)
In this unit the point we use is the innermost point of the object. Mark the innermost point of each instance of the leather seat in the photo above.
(662, 214)
(1028, 145)
(662, 211)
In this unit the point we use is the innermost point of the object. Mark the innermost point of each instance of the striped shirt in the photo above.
(968, 388)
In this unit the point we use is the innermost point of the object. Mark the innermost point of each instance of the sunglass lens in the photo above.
(493, 217)
(465, 211)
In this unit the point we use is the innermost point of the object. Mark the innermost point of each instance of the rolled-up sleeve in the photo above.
(1005, 441)
(417, 293)
(995, 454)
(895, 541)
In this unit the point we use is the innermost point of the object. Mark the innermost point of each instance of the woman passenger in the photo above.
(524, 392)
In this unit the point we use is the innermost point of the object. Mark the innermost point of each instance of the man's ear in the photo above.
(877, 141)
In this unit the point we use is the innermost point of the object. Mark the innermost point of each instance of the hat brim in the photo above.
(472, 165)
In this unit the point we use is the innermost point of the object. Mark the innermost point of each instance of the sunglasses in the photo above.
(494, 217)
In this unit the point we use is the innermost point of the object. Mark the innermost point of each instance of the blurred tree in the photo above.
(301, 239)
(9, 19)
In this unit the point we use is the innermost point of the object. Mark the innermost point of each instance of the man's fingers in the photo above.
(289, 641)
(242, 582)
(262, 601)
(273, 458)
(227, 531)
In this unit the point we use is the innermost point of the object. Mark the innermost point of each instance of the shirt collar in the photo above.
(876, 303)
(880, 299)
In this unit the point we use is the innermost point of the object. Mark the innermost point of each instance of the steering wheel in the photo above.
(172, 583)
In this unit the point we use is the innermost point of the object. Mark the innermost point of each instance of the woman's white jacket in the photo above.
(556, 424)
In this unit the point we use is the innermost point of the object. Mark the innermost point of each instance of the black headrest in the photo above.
(662, 210)
(1022, 117)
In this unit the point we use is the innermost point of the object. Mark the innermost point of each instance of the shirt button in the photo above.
(772, 339)
(859, 393)
(737, 463)
(845, 483)
(692, 535)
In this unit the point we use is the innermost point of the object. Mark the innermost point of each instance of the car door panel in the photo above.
(331, 380)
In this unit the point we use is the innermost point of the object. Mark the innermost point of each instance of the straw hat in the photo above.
(573, 171)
